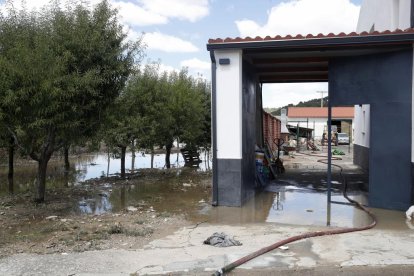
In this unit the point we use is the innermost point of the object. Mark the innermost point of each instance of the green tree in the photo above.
(183, 112)
(121, 126)
(67, 67)
(144, 88)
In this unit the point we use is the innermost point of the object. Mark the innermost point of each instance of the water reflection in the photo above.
(99, 165)
(84, 167)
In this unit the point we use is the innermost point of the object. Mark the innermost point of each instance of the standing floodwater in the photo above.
(87, 166)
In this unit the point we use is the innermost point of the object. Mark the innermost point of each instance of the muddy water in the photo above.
(191, 196)
(297, 199)
(85, 167)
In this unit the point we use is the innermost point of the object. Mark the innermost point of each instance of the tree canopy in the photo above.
(61, 69)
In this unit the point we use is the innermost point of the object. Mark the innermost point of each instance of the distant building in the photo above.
(316, 118)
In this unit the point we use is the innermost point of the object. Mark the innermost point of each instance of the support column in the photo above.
(228, 128)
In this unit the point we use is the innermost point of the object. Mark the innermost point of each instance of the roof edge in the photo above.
(397, 35)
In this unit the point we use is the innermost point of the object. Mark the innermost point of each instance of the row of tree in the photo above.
(157, 108)
(70, 76)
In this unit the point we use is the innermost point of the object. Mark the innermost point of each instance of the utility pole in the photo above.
(322, 92)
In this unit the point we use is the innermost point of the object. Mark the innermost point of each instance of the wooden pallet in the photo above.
(191, 158)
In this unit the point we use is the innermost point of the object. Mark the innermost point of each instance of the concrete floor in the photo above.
(384, 250)
(184, 252)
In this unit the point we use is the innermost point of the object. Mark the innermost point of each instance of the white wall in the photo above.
(362, 125)
(384, 15)
(229, 105)
(317, 124)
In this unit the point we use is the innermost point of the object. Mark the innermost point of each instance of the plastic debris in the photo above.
(337, 152)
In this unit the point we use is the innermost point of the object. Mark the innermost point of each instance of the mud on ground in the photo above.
(56, 227)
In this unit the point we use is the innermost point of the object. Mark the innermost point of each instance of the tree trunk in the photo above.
(133, 156)
(123, 153)
(10, 174)
(167, 155)
(66, 153)
(41, 180)
(152, 158)
(109, 162)
(178, 150)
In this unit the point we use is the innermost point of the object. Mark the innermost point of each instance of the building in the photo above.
(374, 68)
(378, 15)
(316, 118)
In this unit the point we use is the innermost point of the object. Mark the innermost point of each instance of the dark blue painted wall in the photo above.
(385, 82)
(249, 128)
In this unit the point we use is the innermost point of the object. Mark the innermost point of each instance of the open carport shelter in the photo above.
(368, 68)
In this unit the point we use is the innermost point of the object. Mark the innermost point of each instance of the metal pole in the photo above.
(307, 133)
(329, 178)
(350, 138)
(322, 92)
(313, 133)
(297, 138)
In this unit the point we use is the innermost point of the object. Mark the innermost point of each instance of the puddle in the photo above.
(290, 204)
(179, 194)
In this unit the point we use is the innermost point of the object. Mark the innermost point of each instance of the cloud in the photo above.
(168, 43)
(197, 68)
(167, 68)
(135, 15)
(281, 94)
(196, 63)
(141, 12)
(189, 10)
(303, 17)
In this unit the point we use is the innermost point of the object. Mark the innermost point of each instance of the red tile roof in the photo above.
(320, 112)
(309, 36)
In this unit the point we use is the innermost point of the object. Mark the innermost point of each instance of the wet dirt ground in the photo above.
(100, 214)
(155, 221)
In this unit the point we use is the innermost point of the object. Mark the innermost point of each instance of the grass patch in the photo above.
(119, 229)
(116, 229)
(140, 221)
(139, 232)
(164, 215)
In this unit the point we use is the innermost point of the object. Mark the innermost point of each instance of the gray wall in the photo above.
(385, 82)
(361, 157)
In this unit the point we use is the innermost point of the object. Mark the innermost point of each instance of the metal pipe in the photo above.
(329, 177)
(214, 127)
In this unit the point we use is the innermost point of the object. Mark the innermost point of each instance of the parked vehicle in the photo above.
(343, 138)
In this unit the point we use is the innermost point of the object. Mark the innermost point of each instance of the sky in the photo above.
(176, 31)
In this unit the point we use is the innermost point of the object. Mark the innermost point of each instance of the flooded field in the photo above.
(93, 198)
(87, 166)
